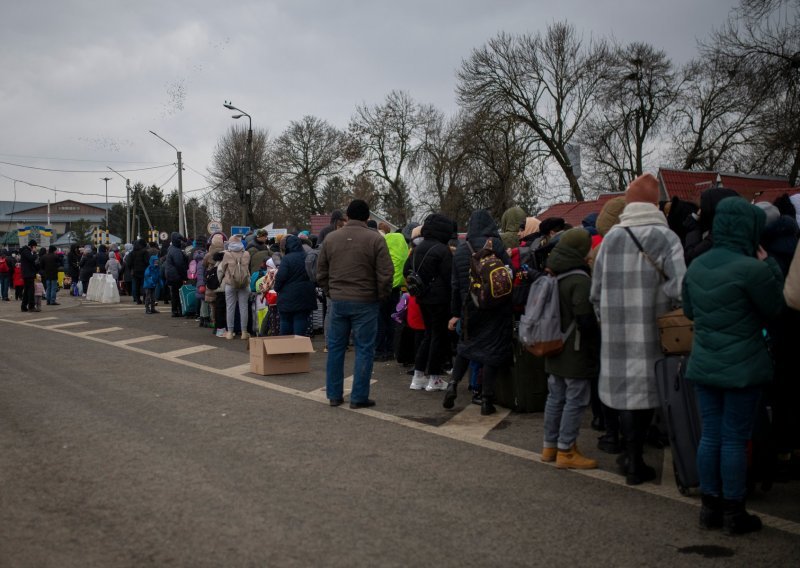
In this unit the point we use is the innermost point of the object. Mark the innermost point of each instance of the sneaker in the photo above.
(419, 381)
(228, 335)
(573, 459)
(549, 454)
(245, 335)
(436, 383)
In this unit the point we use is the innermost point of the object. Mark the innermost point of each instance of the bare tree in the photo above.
(228, 173)
(760, 44)
(546, 82)
(633, 103)
(390, 135)
(307, 155)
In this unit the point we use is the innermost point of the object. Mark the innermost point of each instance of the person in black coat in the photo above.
(432, 261)
(102, 258)
(297, 296)
(29, 264)
(73, 262)
(486, 334)
(88, 265)
(50, 266)
(698, 231)
(176, 267)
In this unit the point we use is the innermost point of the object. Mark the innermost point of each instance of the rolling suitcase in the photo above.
(522, 387)
(188, 295)
(679, 406)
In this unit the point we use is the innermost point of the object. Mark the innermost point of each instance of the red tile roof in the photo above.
(574, 212)
(770, 195)
(687, 185)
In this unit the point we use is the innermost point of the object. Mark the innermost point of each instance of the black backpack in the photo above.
(415, 285)
(212, 278)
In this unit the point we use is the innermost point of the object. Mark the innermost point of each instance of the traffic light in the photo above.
(101, 237)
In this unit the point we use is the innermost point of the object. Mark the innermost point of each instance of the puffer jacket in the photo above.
(296, 293)
(730, 295)
(699, 233)
(176, 265)
(398, 250)
(432, 259)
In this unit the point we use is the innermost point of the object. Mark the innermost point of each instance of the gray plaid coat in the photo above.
(629, 294)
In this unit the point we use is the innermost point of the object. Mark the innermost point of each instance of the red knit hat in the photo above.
(644, 189)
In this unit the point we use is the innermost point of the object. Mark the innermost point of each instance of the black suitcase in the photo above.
(682, 415)
(522, 387)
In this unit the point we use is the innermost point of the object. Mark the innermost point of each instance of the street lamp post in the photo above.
(181, 214)
(127, 204)
(249, 161)
(106, 179)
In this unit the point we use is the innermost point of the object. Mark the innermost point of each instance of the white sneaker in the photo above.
(245, 335)
(220, 333)
(228, 335)
(436, 383)
(419, 381)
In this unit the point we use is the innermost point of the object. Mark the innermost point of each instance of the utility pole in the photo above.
(249, 165)
(181, 213)
(106, 179)
(127, 204)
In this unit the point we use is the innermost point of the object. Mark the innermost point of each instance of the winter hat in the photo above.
(644, 189)
(773, 214)
(551, 224)
(609, 214)
(218, 239)
(577, 239)
(32, 243)
(358, 210)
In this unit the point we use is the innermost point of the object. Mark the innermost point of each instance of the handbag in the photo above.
(676, 332)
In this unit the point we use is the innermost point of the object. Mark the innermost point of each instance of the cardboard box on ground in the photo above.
(280, 355)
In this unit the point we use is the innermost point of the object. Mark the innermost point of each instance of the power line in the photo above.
(58, 190)
(77, 159)
(82, 171)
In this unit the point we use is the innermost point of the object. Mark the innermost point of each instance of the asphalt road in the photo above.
(122, 453)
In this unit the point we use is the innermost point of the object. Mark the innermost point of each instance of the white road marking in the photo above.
(469, 421)
(322, 394)
(139, 308)
(187, 351)
(41, 319)
(454, 434)
(68, 324)
(238, 369)
(139, 339)
(97, 331)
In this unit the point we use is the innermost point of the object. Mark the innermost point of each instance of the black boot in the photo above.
(736, 519)
(711, 512)
(487, 407)
(609, 443)
(450, 394)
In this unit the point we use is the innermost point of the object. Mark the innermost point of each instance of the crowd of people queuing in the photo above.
(732, 266)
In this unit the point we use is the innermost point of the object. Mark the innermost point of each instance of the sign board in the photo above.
(272, 233)
(239, 231)
(42, 235)
(214, 227)
(163, 235)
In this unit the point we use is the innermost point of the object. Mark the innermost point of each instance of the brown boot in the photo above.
(549, 454)
(573, 459)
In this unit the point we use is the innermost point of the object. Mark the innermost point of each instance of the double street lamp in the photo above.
(182, 228)
(248, 162)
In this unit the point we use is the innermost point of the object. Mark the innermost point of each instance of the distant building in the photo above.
(62, 215)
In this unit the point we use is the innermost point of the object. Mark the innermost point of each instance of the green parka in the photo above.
(580, 358)
(730, 295)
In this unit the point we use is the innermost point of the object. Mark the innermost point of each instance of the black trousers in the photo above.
(175, 297)
(28, 299)
(460, 368)
(435, 346)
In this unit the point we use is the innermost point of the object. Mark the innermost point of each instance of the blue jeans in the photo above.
(362, 319)
(5, 281)
(563, 412)
(728, 416)
(51, 289)
(294, 323)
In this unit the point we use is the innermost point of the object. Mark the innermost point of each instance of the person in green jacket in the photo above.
(510, 224)
(571, 371)
(730, 292)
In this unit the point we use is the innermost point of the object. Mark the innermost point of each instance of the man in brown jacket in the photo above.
(355, 271)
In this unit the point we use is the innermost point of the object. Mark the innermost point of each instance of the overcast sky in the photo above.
(84, 81)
